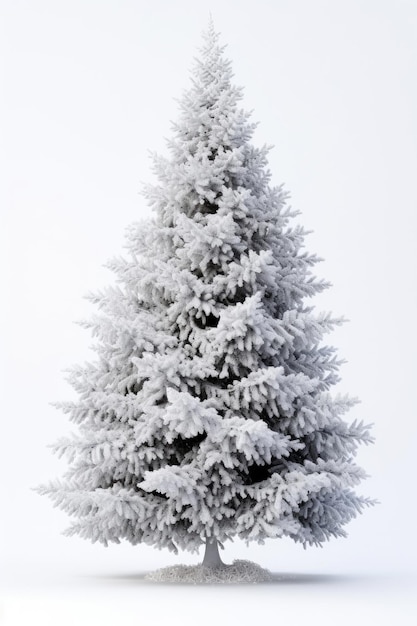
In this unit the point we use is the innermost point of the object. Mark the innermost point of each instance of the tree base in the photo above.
(238, 572)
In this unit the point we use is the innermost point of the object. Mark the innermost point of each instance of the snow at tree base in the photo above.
(207, 414)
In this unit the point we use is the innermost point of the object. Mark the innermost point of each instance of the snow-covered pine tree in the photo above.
(207, 413)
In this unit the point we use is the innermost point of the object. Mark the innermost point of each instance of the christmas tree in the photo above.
(207, 413)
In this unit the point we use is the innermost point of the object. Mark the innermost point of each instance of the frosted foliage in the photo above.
(208, 411)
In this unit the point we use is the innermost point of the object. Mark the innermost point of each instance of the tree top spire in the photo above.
(211, 65)
(210, 33)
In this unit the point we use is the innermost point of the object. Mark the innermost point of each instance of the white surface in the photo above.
(311, 599)
(89, 88)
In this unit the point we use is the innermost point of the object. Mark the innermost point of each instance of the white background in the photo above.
(88, 88)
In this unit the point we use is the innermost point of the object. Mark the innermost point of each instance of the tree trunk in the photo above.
(211, 555)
